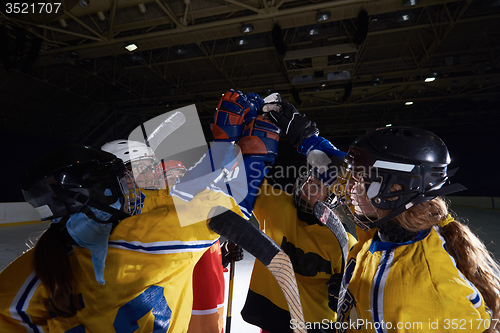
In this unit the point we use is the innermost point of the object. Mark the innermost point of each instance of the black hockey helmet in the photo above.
(400, 167)
(72, 179)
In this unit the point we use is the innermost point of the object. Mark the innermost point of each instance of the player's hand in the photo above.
(296, 127)
(229, 116)
(233, 113)
(333, 290)
(259, 140)
(256, 103)
(230, 251)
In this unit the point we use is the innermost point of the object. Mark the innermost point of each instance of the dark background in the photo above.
(476, 157)
(66, 77)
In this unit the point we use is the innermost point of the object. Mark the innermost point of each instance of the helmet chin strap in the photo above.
(89, 202)
(421, 198)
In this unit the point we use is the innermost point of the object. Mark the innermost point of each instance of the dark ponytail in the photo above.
(52, 266)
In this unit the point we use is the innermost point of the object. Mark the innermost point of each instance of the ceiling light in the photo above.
(323, 16)
(246, 28)
(63, 23)
(313, 31)
(429, 79)
(408, 103)
(180, 51)
(408, 3)
(131, 47)
(376, 81)
(84, 3)
(142, 8)
(404, 18)
(242, 41)
(346, 56)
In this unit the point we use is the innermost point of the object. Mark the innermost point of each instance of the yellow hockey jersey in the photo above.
(409, 287)
(148, 274)
(315, 254)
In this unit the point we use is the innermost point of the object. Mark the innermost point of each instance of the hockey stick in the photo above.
(230, 297)
(166, 128)
(328, 217)
(242, 232)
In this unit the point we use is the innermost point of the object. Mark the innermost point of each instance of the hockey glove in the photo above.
(334, 290)
(259, 140)
(230, 251)
(296, 127)
(232, 113)
(256, 103)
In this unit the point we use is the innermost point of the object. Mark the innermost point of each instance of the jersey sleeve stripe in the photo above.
(162, 247)
(21, 302)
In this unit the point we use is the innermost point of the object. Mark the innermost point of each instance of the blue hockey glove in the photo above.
(296, 127)
(233, 112)
(256, 103)
(259, 140)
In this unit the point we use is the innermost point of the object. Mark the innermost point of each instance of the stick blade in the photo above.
(328, 217)
(167, 127)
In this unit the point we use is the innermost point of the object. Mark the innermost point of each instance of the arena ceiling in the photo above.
(67, 74)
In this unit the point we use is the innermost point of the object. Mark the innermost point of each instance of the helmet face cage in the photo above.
(173, 170)
(134, 199)
(308, 189)
(147, 173)
(352, 188)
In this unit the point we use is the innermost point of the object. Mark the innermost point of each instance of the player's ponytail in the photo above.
(476, 263)
(52, 267)
(470, 253)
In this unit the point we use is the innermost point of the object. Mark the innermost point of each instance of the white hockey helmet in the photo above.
(141, 160)
(127, 150)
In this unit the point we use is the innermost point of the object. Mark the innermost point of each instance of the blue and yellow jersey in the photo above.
(409, 287)
(148, 274)
(315, 254)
